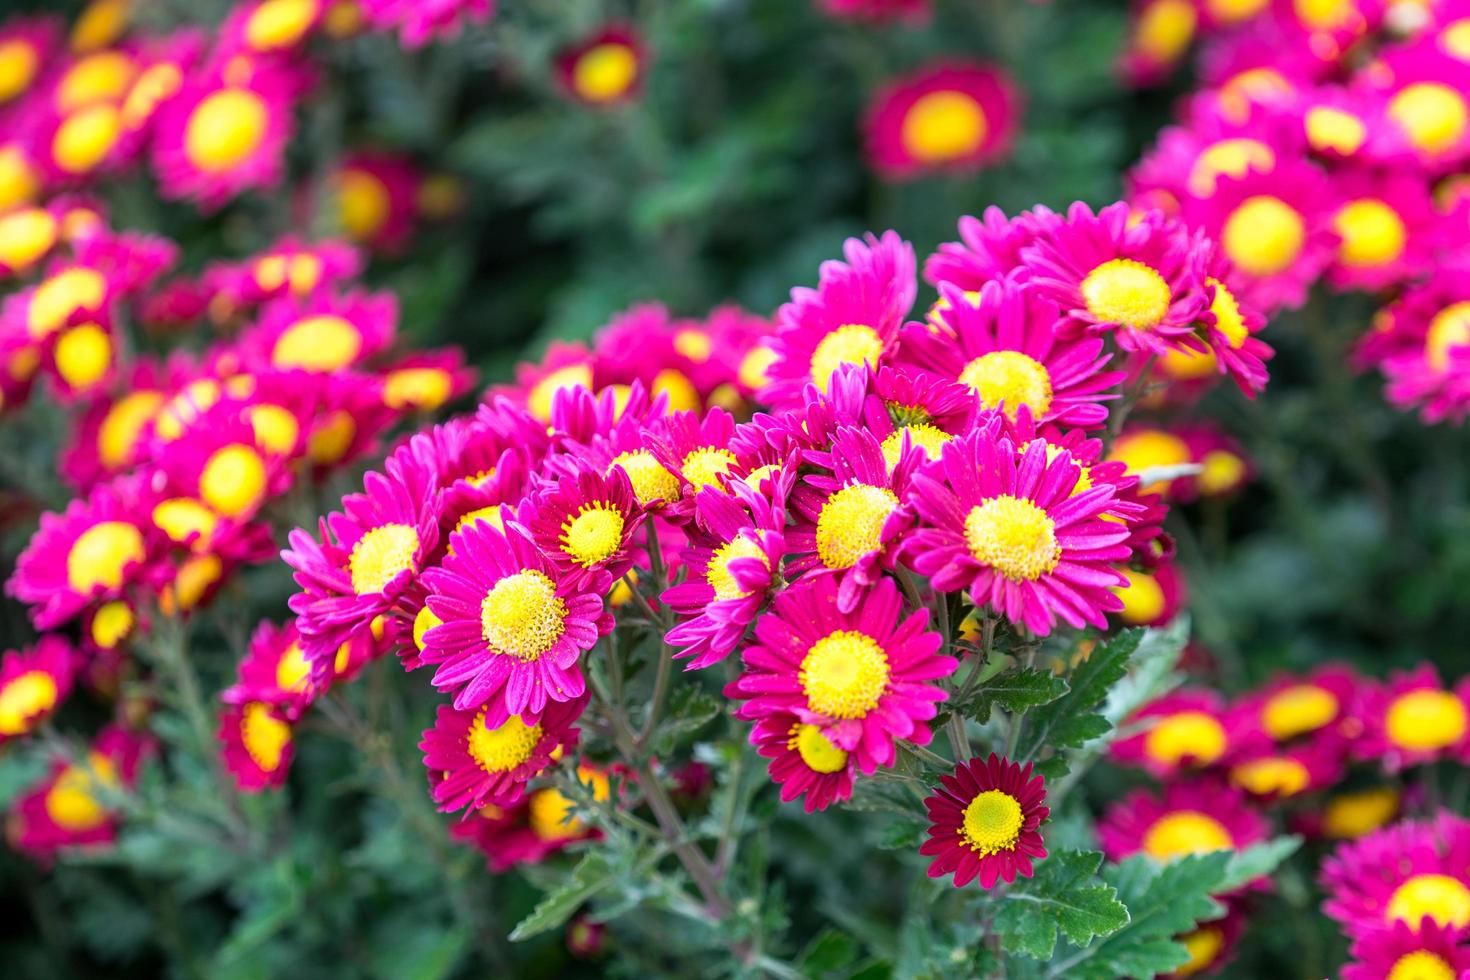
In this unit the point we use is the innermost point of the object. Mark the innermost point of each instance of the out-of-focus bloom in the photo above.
(606, 68)
(71, 807)
(985, 822)
(539, 825)
(1412, 873)
(421, 22)
(1431, 951)
(1160, 36)
(805, 762)
(1357, 812)
(1185, 730)
(949, 116)
(258, 745)
(33, 682)
(1189, 818)
(375, 197)
(1414, 720)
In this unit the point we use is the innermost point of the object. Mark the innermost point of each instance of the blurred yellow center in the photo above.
(680, 391)
(18, 64)
(23, 699)
(851, 343)
(1185, 832)
(1455, 38)
(1351, 815)
(1143, 598)
(317, 343)
(423, 621)
(275, 428)
(195, 578)
(1013, 536)
(72, 802)
(538, 399)
(706, 467)
(1420, 964)
(1203, 946)
(1298, 710)
(332, 438)
(1009, 378)
(1450, 328)
(25, 236)
(100, 554)
(1149, 449)
(1229, 158)
(844, 674)
(1264, 235)
(605, 72)
(850, 524)
(421, 388)
(593, 535)
(182, 518)
(99, 24)
(648, 477)
(19, 181)
(1186, 735)
(233, 480)
(225, 129)
(293, 673)
(101, 77)
(1127, 292)
(364, 202)
(944, 126)
(1372, 233)
(816, 749)
(1426, 720)
(111, 623)
(1433, 115)
(264, 736)
(277, 24)
(61, 295)
(1444, 899)
(1275, 776)
(522, 616)
(718, 573)
(1335, 130)
(85, 137)
(157, 83)
(755, 367)
(83, 355)
(380, 556)
(498, 750)
(992, 823)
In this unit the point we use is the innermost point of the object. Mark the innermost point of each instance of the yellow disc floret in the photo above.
(233, 480)
(944, 126)
(1433, 115)
(224, 129)
(1185, 832)
(264, 735)
(1372, 233)
(1014, 536)
(502, 749)
(100, 554)
(25, 698)
(1127, 292)
(844, 674)
(851, 521)
(650, 480)
(1297, 710)
(522, 616)
(1426, 720)
(816, 749)
(1012, 379)
(72, 802)
(718, 572)
(1264, 235)
(592, 535)
(317, 343)
(1186, 735)
(992, 823)
(707, 466)
(1444, 899)
(380, 555)
(1420, 964)
(605, 72)
(927, 439)
(851, 343)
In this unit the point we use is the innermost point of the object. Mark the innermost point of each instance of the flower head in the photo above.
(1414, 720)
(947, 116)
(606, 68)
(985, 821)
(33, 684)
(472, 763)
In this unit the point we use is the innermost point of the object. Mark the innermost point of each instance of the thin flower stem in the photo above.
(1130, 398)
(920, 752)
(660, 690)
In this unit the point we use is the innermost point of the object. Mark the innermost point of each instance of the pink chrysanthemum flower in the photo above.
(1318, 704)
(88, 553)
(985, 821)
(1005, 347)
(606, 68)
(69, 809)
(289, 267)
(989, 248)
(1189, 159)
(585, 524)
(366, 555)
(1195, 817)
(949, 116)
(1160, 34)
(529, 831)
(863, 677)
(257, 743)
(1352, 124)
(734, 562)
(28, 45)
(320, 333)
(275, 670)
(1143, 280)
(804, 761)
(852, 317)
(908, 411)
(426, 381)
(1414, 720)
(1152, 596)
(1431, 952)
(1411, 873)
(1184, 730)
(1227, 328)
(1422, 343)
(1426, 97)
(224, 133)
(1388, 231)
(1277, 774)
(1014, 530)
(33, 683)
(221, 463)
(375, 196)
(471, 763)
(511, 634)
(269, 27)
(682, 454)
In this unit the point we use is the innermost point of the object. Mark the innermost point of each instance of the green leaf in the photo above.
(1014, 690)
(1070, 720)
(903, 834)
(830, 952)
(591, 875)
(690, 708)
(1151, 670)
(1063, 895)
(1257, 861)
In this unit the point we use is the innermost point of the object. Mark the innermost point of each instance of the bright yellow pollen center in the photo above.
(183, 517)
(550, 809)
(694, 344)
(1351, 815)
(992, 823)
(423, 388)
(1191, 735)
(1013, 536)
(538, 399)
(944, 126)
(1426, 720)
(118, 434)
(85, 137)
(1009, 378)
(25, 236)
(718, 572)
(264, 736)
(225, 129)
(1203, 945)
(677, 388)
(19, 181)
(1228, 318)
(1229, 158)
(99, 24)
(186, 407)
(1127, 292)
(648, 477)
(1444, 899)
(1335, 130)
(380, 556)
(317, 343)
(1143, 598)
(593, 535)
(1185, 832)
(605, 72)
(1455, 38)
(1264, 235)
(99, 555)
(755, 367)
(275, 428)
(83, 355)
(18, 64)
(816, 749)
(1372, 233)
(364, 204)
(925, 438)
(1271, 776)
(332, 438)
(101, 77)
(1420, 964)
(502, 749)
(111, 623)
(292, 671)
(233, 480)
(1450, 328)
(522, 616)
(706, 467)
(23, 699)
(1297, 710)
(61, 295)
(1433, 115)
(844, 674)
(157, 83)
(277, 24)
(72, 802)
(851, 343)
(850, 524)
(1222, 471)
(1149, 449)
(490, 515)
(195, 577)
(423, 621)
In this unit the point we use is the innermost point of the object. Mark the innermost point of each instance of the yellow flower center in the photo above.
(292, 671)
(1335, 130)
(72, 802)
(19, 181)
(277, 24)
(851, 343)
(850, 524)
(755, 367)
(1372, 233)
(680, 391)
(25, 697)
(1009, 378)
(605, 72)
(1203, 945)
(816, 749)
(423, 621)
(303, 272)
(844, 674)
(186, 407)
(1455, 38)
(718, 573)
(550, 810)
(1191, 735)
(423, 388)
(1228, 158)
(194, 579)
(1444, 899)
(157, 83)
(83, 355)
(1450, 328)
(18, 64)
(694, 344)
(363, 202)
(1297, 710)
(522, 616)
(25, 236)
(707, 466)
(225, 129)
(101, 77)
(1166, 28)
(498, 750)
(380, 556)
(1276, 775)
(111, 623)
(85, 137)
(1013, 536)
(99, 555)
(233, 480)
(1185, 832)
(1149, 449)
(1264, 235)
(275, 428)
(538, 399)
(925, 438)
(1433, 115)
(264, 736)
(101, 23)
(1143, 598)
(650, 480)
(1127, 292)
(992, 823)
(593, 535)
(1228, 318)
(181, 517)
(1351, 815)
(1426, 720)
(944, 126)
(1421, 964)
(1187, 364)
(61, 295)
(332, 438)
(1222, 471)
(317, 343)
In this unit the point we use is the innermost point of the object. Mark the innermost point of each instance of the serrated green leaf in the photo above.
(1070, 720)
(902, 834)
(591, 875)
(1064, 894)
(1014, 690)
